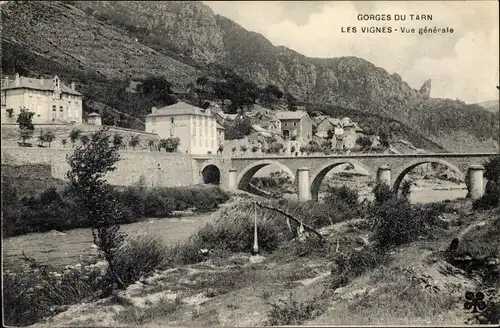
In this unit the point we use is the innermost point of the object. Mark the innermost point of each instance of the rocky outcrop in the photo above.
(425, 90)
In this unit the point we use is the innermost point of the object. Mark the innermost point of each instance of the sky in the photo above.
(462, 65)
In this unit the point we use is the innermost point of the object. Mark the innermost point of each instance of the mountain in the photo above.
(107, 44)
(491, 105)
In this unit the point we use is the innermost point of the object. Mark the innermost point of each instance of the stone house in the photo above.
(296, 125)
(327, 124)
(220, 134)
(258, 134)
(195, 127)
(50, 100)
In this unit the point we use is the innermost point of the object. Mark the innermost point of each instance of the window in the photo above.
(153, 120)
(172, 120)
(206, 143)
(54, 108)
(9, 113)
(294, 124)
(61, 109)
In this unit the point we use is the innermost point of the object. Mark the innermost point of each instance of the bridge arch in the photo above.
(317, 179)
(248, 172)
(410, 166)
(211, 174)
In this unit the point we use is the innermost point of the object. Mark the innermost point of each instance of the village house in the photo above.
(327, 124)
(195, 127)
(220, 135)
(258, 133)
(49, 99)
(273, 126)
(94, 119)
(296, 125)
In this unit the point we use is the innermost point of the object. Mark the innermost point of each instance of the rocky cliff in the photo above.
(182, 40)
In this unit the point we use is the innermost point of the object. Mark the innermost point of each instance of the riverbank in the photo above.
(58, 249)
(297, 283)
(57, 208)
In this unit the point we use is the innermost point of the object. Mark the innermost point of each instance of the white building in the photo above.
(51, 100)
(195, 127)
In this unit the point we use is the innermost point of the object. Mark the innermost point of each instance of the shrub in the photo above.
(292, 312)
(382, 193)
(139, 257)
(158, 206)
(347, 266)
(342, 194)
(39, 292)
(397, 222)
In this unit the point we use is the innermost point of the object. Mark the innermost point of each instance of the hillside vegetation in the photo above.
(106, 45)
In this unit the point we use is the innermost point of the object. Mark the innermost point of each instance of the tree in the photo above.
(73, 136)
(406, 189)
(203, 80)
(85, 139)
(364, 141)
(151, 144)
(382, 193)
(89, 163)
(26, 127)
(117, 140)
(170, 144)
(134, 141)
(49, 137)
(271, 94)
(384, 139)
(40, 139)
(330, 134)
(221, 92)
(159, 90)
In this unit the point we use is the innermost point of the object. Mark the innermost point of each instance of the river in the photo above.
(73, 246)
(59, 249)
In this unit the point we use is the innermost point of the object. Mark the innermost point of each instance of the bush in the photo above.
(342, 194)
(347, 266)
(158, 206)
(292, 312)
(397, 222)
(139, 257)
(39, 292)
(382, 193)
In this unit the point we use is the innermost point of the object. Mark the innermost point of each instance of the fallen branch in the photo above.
(306, 227)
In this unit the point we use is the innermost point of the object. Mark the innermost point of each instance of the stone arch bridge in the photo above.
(309, 171)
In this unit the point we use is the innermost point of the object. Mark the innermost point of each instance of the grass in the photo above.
(134, 316)
(290, 311)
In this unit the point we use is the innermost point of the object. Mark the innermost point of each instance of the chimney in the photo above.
(154, 110)
(73, 86)
(17, 80)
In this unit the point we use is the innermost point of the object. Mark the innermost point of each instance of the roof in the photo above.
(335, 121)
(346, 121)
(220, 127)
(38, 84)
(180, 108)
(297, 115)
(259, 128)
(264, 134)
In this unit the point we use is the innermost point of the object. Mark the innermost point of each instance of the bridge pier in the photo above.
(233, 177)
(475, 181)
(384, 175)
(304, 194)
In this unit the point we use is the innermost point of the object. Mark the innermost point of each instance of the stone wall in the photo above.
(157, 169)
